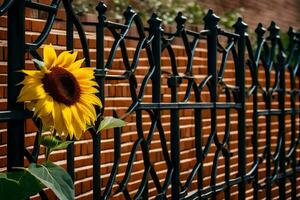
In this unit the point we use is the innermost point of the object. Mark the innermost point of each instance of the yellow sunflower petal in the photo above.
(33, 73)
(87, 83)
(57, 118)
(78, 131)
(84, 73)
(29, 81)
(29, 93)
(88, 115)
(91, 98)
(44, 106)
(89, 105)
(67, 117)
(76, 65)
(65, 59)
(88, 90)
(77, 118)
(49, 56)
(84, 116)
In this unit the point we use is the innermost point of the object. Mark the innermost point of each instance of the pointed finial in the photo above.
(101, 8)
(154, 21)
(240, 25)
(129, 12)
(211, 19)
(260, 30)
(274, 31)
(180, 20)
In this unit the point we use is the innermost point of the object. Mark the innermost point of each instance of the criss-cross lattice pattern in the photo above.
(258, 94)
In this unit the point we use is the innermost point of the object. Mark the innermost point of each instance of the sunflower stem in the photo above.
(47, 154)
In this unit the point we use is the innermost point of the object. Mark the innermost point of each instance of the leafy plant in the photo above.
(165, 9)
(66, 122)
(83, 6)
(25, 182)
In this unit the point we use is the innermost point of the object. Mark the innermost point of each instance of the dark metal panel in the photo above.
(16, 61)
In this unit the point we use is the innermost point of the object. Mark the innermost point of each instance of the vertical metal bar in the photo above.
(255, 138)
(156, 30)
(268, 149)
(281, 101)
(260, 31)
(240, 28)
(211, 24)
(227, 173)
(293, 97)
(198, 145)
(101, 8)
(227, 153)
(96, 166)
(16, 61)
(173, 83)
(274, 31)
(292, 151)
(70, 149)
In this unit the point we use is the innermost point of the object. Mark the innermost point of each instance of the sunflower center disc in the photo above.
(62, 86)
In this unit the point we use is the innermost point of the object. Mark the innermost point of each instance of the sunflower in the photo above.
(61, 93)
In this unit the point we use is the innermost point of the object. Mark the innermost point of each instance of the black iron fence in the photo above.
(267, 53)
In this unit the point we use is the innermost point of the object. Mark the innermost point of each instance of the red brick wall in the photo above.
(118, 98)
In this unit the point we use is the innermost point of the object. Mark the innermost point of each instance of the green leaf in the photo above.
(53, 143)
(110, 122)
(55, 178)
(40, 63)
(18, 185)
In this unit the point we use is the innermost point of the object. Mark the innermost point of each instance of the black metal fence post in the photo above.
(260, 31)
(281, 101)
(100, 78)
(173, 83)
(157, 31)
(293, 98)
(240, 28)
(211, 23)
(16, 61)
(274, 34)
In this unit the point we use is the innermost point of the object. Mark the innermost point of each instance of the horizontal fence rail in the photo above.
(275, 99)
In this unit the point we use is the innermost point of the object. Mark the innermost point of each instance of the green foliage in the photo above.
(22, 184)
(53, 143)
(55, 178)
(18, 185)
(83, 6)
(229, 18)
(110, 122)
(165, 9)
